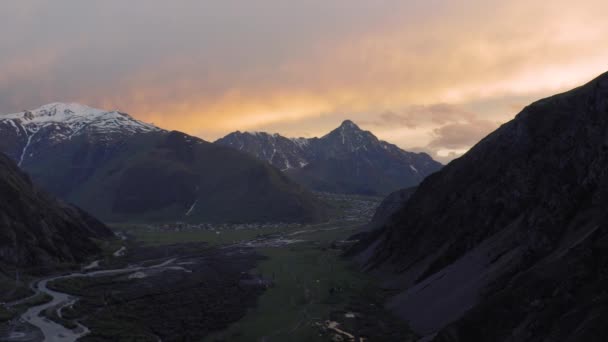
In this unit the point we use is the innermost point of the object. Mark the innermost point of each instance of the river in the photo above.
(53, 332)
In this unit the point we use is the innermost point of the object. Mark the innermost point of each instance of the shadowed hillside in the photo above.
(515, 231)
(36, 229)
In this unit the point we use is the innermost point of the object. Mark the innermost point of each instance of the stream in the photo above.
(52, 331)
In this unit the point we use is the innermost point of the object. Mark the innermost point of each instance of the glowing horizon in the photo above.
(434, 76)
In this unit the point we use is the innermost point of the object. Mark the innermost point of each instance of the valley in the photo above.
(218, 283)
(303, 171)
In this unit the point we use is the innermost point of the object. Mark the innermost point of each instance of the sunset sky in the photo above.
(432, 75)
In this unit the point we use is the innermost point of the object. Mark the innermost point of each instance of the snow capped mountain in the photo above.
(76, 118)
(279, 151)
(347, 159)
(57, 122)
(119, 168)
(350, 137)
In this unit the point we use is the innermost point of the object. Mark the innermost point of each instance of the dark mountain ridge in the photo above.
(512, 236)
(121, 169)
(36, 229)
(160, 175)
(346, 160)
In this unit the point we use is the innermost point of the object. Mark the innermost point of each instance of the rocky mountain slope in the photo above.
(513, 236)
(347, 160)
(283, 153)
(121, 169)
(25, 133)
(388, 207)
(36, 229)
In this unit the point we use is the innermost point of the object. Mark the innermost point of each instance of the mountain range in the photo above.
(36, 229)
(510, 241)
(122, 169)
(346, 160)
(507, 243)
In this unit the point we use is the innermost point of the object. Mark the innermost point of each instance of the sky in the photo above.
(433, 75)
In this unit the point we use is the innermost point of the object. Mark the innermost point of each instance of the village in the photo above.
(348, 208)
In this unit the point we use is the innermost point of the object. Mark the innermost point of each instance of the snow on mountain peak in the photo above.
(67, 109)
(301, 142)
(76, 117)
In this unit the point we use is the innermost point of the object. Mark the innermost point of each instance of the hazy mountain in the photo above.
(36, 229)
(347, 160)
(119, 168)
(510, 241)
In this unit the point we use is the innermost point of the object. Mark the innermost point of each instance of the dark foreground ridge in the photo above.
(513, 236)
(36, 229)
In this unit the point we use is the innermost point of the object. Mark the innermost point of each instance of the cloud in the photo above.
(458, 136)
(451, 129)
(413, 71)
(416, 116)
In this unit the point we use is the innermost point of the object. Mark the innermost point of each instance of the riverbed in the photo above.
(54, 332)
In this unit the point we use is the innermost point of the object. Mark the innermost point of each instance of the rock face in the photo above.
(513, 236)
(36, 229)
(388, 207)
(121, 169)
(347, 160)
(281, 152)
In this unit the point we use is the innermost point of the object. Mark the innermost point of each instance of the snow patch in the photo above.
(301, 142)
(12, 122)
(191, 208)
(27, 145)
(78, 118)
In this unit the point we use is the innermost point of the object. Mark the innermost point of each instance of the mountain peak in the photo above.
(350, 134)
(347, 159)
(75, 118)
(56, 111)
(348, 124)
(73, 106)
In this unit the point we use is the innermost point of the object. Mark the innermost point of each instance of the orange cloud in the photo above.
(404, 63)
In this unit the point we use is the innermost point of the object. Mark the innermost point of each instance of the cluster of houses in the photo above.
(184, 227)
(350, 207)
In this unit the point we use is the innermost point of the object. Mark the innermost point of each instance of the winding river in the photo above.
(54, 332)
